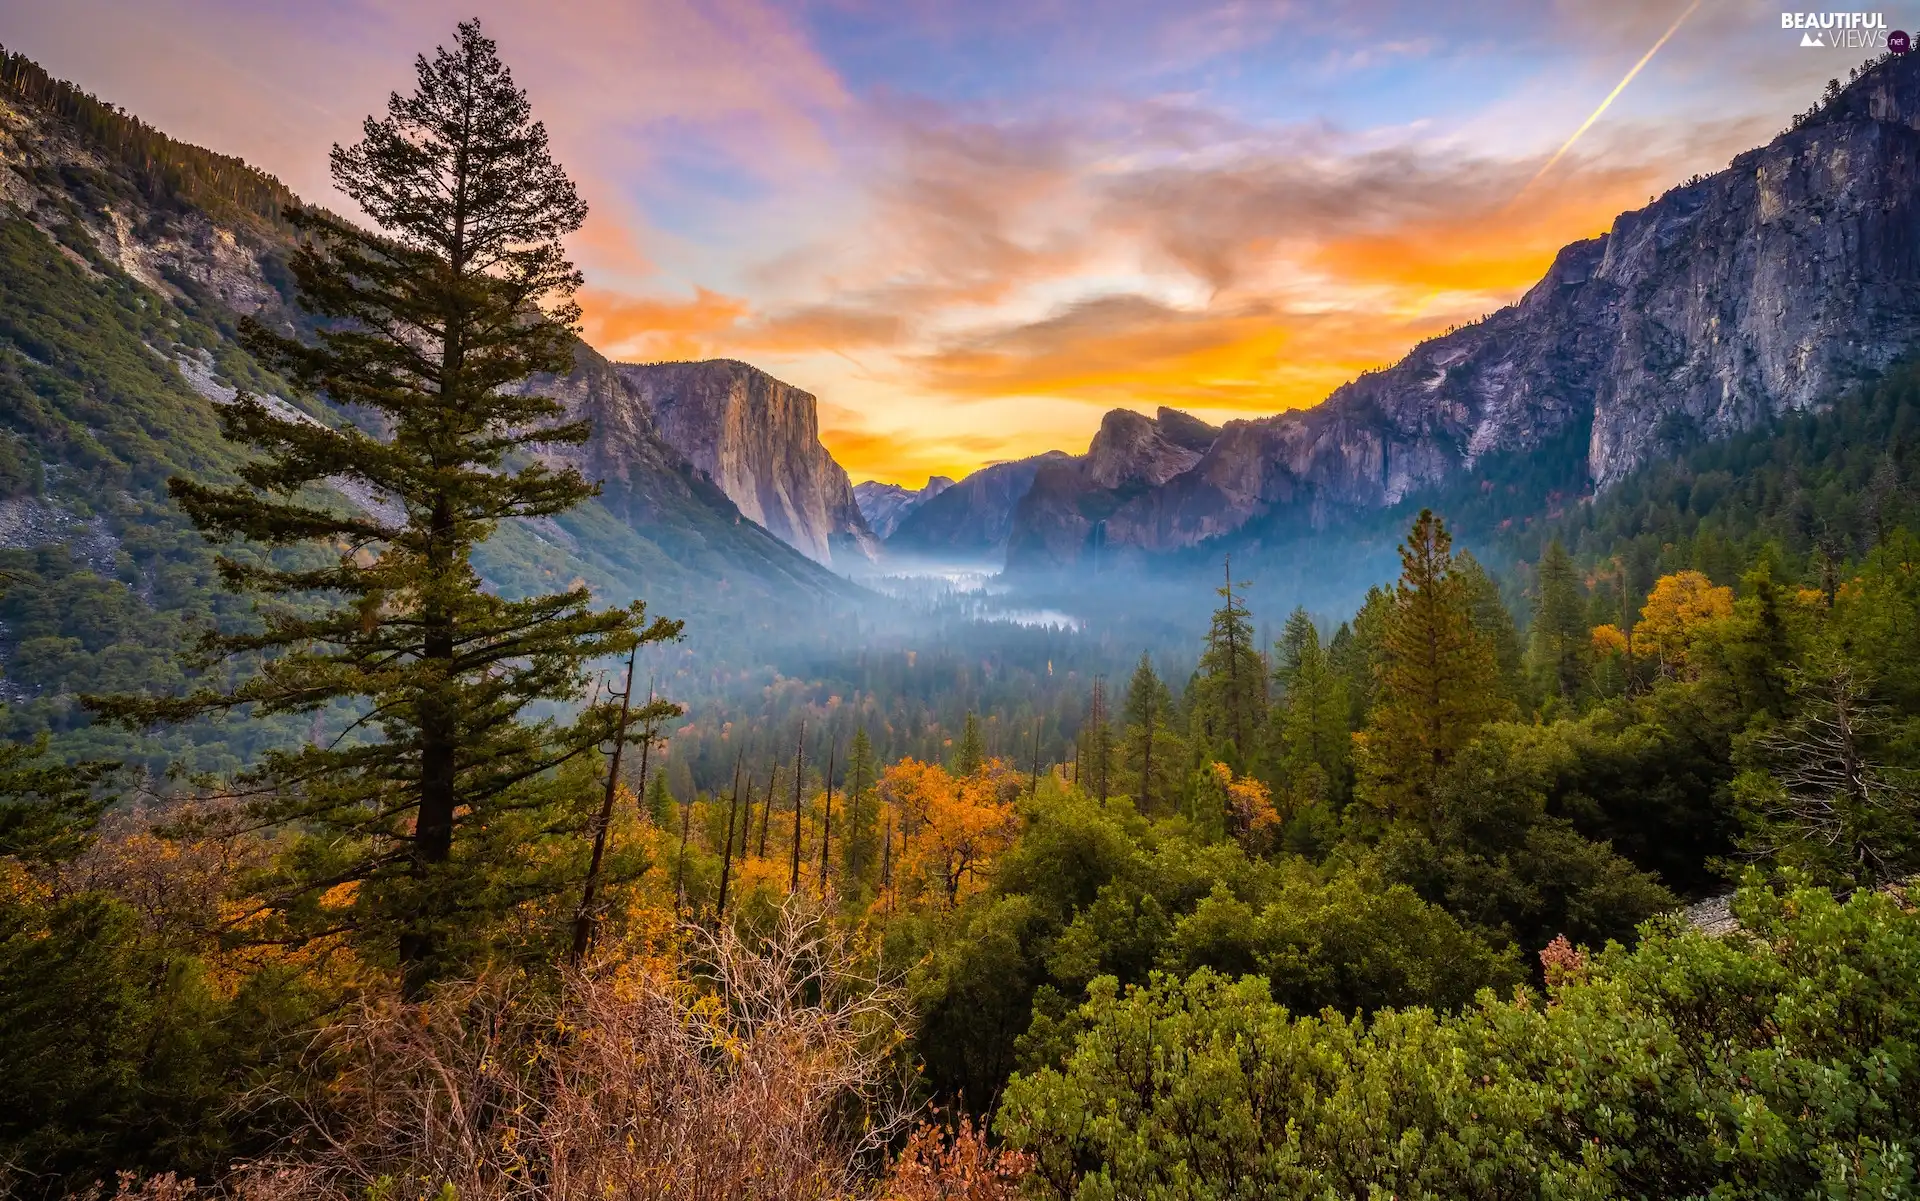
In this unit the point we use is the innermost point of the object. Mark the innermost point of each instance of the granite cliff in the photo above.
(758, 440)
(1758, 290)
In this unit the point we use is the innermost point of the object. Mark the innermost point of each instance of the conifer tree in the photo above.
(1230, 697)
(48, 808)
(1438, 681)
(662, 809)
(429, 325)
(1152, 753)
(972, 752)
(1096, 743)
(1310, 721)
(859, 840)
(1495, 625)
(1558, 642)
(1357, 652)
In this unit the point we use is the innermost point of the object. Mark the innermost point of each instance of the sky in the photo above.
(970, 227)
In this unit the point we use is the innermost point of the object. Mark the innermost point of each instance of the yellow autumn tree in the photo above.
(1250, 808)
(951, 826)
(1678, 609)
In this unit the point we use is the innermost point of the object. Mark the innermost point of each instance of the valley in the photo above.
(445, 759)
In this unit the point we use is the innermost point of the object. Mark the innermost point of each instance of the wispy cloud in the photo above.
(968, 228)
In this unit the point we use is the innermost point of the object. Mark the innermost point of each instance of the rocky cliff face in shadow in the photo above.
(885, 506)
(758, 440)
(1759, 290)
(1060, 517)
(972, 519)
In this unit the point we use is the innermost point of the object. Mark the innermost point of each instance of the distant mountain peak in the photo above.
(1762, 289)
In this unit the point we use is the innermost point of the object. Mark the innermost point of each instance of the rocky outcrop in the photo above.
(758, 439)
(885, 506)
(1762, 289)
(972, 519)
(1062, 515)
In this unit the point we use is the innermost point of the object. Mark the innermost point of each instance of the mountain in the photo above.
(1130, 455)
(970, 520)
(886, 505)
(126, 261)
(758, 439)
(1729, 300)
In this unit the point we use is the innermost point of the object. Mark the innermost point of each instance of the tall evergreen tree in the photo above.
(1495, 625)
(1310, 721)
(1557, 644)
(859, 841)
(1358, 650)
(1438, 680)
(1230, 696)
(1153, 755)
(662, 809)
(430, 325)
(1096, 743)
(972, 751)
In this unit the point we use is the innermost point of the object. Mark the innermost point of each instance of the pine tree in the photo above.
(1558, 642)
(1495, 625)
(859, 840)
(1310, 721)
(1438, 681)
(971, 754)
(1153, 755)
(1357, 651)
(1230, 698)
(662, 809)
(428, 325)
(1096, 743)
(48, 809)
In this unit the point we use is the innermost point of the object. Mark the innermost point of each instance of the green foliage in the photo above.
(425, 327)
(1439, 679)
(1152, 753)
(1558, 639)
(119, 1053)
(1228, 714)
(47, 808)
(1312, 745)
(1780, 1063)
(972, 752)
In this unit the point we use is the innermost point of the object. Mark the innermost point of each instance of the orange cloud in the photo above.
(653, 329)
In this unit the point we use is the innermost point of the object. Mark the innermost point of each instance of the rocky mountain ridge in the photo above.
(885, 506)
(174, 229)
(1758, 290)
(971, 521)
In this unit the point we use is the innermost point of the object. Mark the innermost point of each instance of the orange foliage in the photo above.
(963, 1168)
(1608, 641)
(1250, 808)
(951, 827)
(1678, 609)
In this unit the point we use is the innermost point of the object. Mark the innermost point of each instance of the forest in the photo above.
(1423, 899)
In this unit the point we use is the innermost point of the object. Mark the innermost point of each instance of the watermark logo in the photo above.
(1839, 31)
(1898, 42)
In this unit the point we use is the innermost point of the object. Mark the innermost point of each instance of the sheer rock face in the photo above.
(885, 506)
(1759, 290)
(758, 440)
(972, 519)
(1059, 518)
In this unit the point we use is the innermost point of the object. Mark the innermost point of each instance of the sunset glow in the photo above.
(970, 229)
